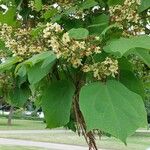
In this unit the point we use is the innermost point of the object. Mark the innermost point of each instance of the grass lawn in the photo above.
(19, 148)
(135, 142)
(22, 125)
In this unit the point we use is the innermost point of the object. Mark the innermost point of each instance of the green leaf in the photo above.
(79, 33)
(147, 85)
(143, 54)
(115, 2)
(120, 46)
(38, 5)
(56, 18)
(2, 45)
(34, 60)
(48, 61)
(145, 4)
(19, 96)
(35, 32)
(87, 4)
(124, 64)
(57, 102)
(22, 71)
(36, 67)
(9, 63)
(9, 16)
(49, 13)
(40, 57)
(132, 82)
(115, 25)
(37, 72)
(98, 24)
(70, 10)
(112, 108)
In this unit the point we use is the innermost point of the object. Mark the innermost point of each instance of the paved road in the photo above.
(50, 146)
(50, 131)
(33, 131)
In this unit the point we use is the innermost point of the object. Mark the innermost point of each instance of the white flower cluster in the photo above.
(20, 41)
(50, 29)
(133, 30)
(126, 12)
(5, 34)
(5, 31)
(31, 4)
(71, 50)
(101, 70)
(127, 15)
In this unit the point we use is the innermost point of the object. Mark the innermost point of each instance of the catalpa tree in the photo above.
(77, 58)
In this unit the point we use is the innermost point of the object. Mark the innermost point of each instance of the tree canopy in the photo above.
(78, 59)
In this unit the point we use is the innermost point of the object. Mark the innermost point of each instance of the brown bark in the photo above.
(9, 123)
(81, 125)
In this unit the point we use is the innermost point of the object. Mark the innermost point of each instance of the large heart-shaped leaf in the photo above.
(120, 46)
(37, 72)
(41, 63)
(133, 83)
(112, 108)
(40, 57)
(56, 103)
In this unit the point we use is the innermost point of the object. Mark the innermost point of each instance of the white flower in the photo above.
(86, 68)
(97, 38)
(97, 50)
(56, 27)
(66, 39)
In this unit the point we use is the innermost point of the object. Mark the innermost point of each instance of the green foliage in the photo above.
(38, 5)
(43, 60)
(115, 2)
(39, 57)
(49, 13)
(129, 79)
(114, 108)
(143, 54)
(145, 4)
(56, 103)
(9, 17)
(19, 95)
(88, 4)
(79, 33)
(9, 63)
(99, 23)
(33, 77)
(87, 66)
(121, 46)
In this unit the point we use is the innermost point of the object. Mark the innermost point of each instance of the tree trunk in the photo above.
(9, 123)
